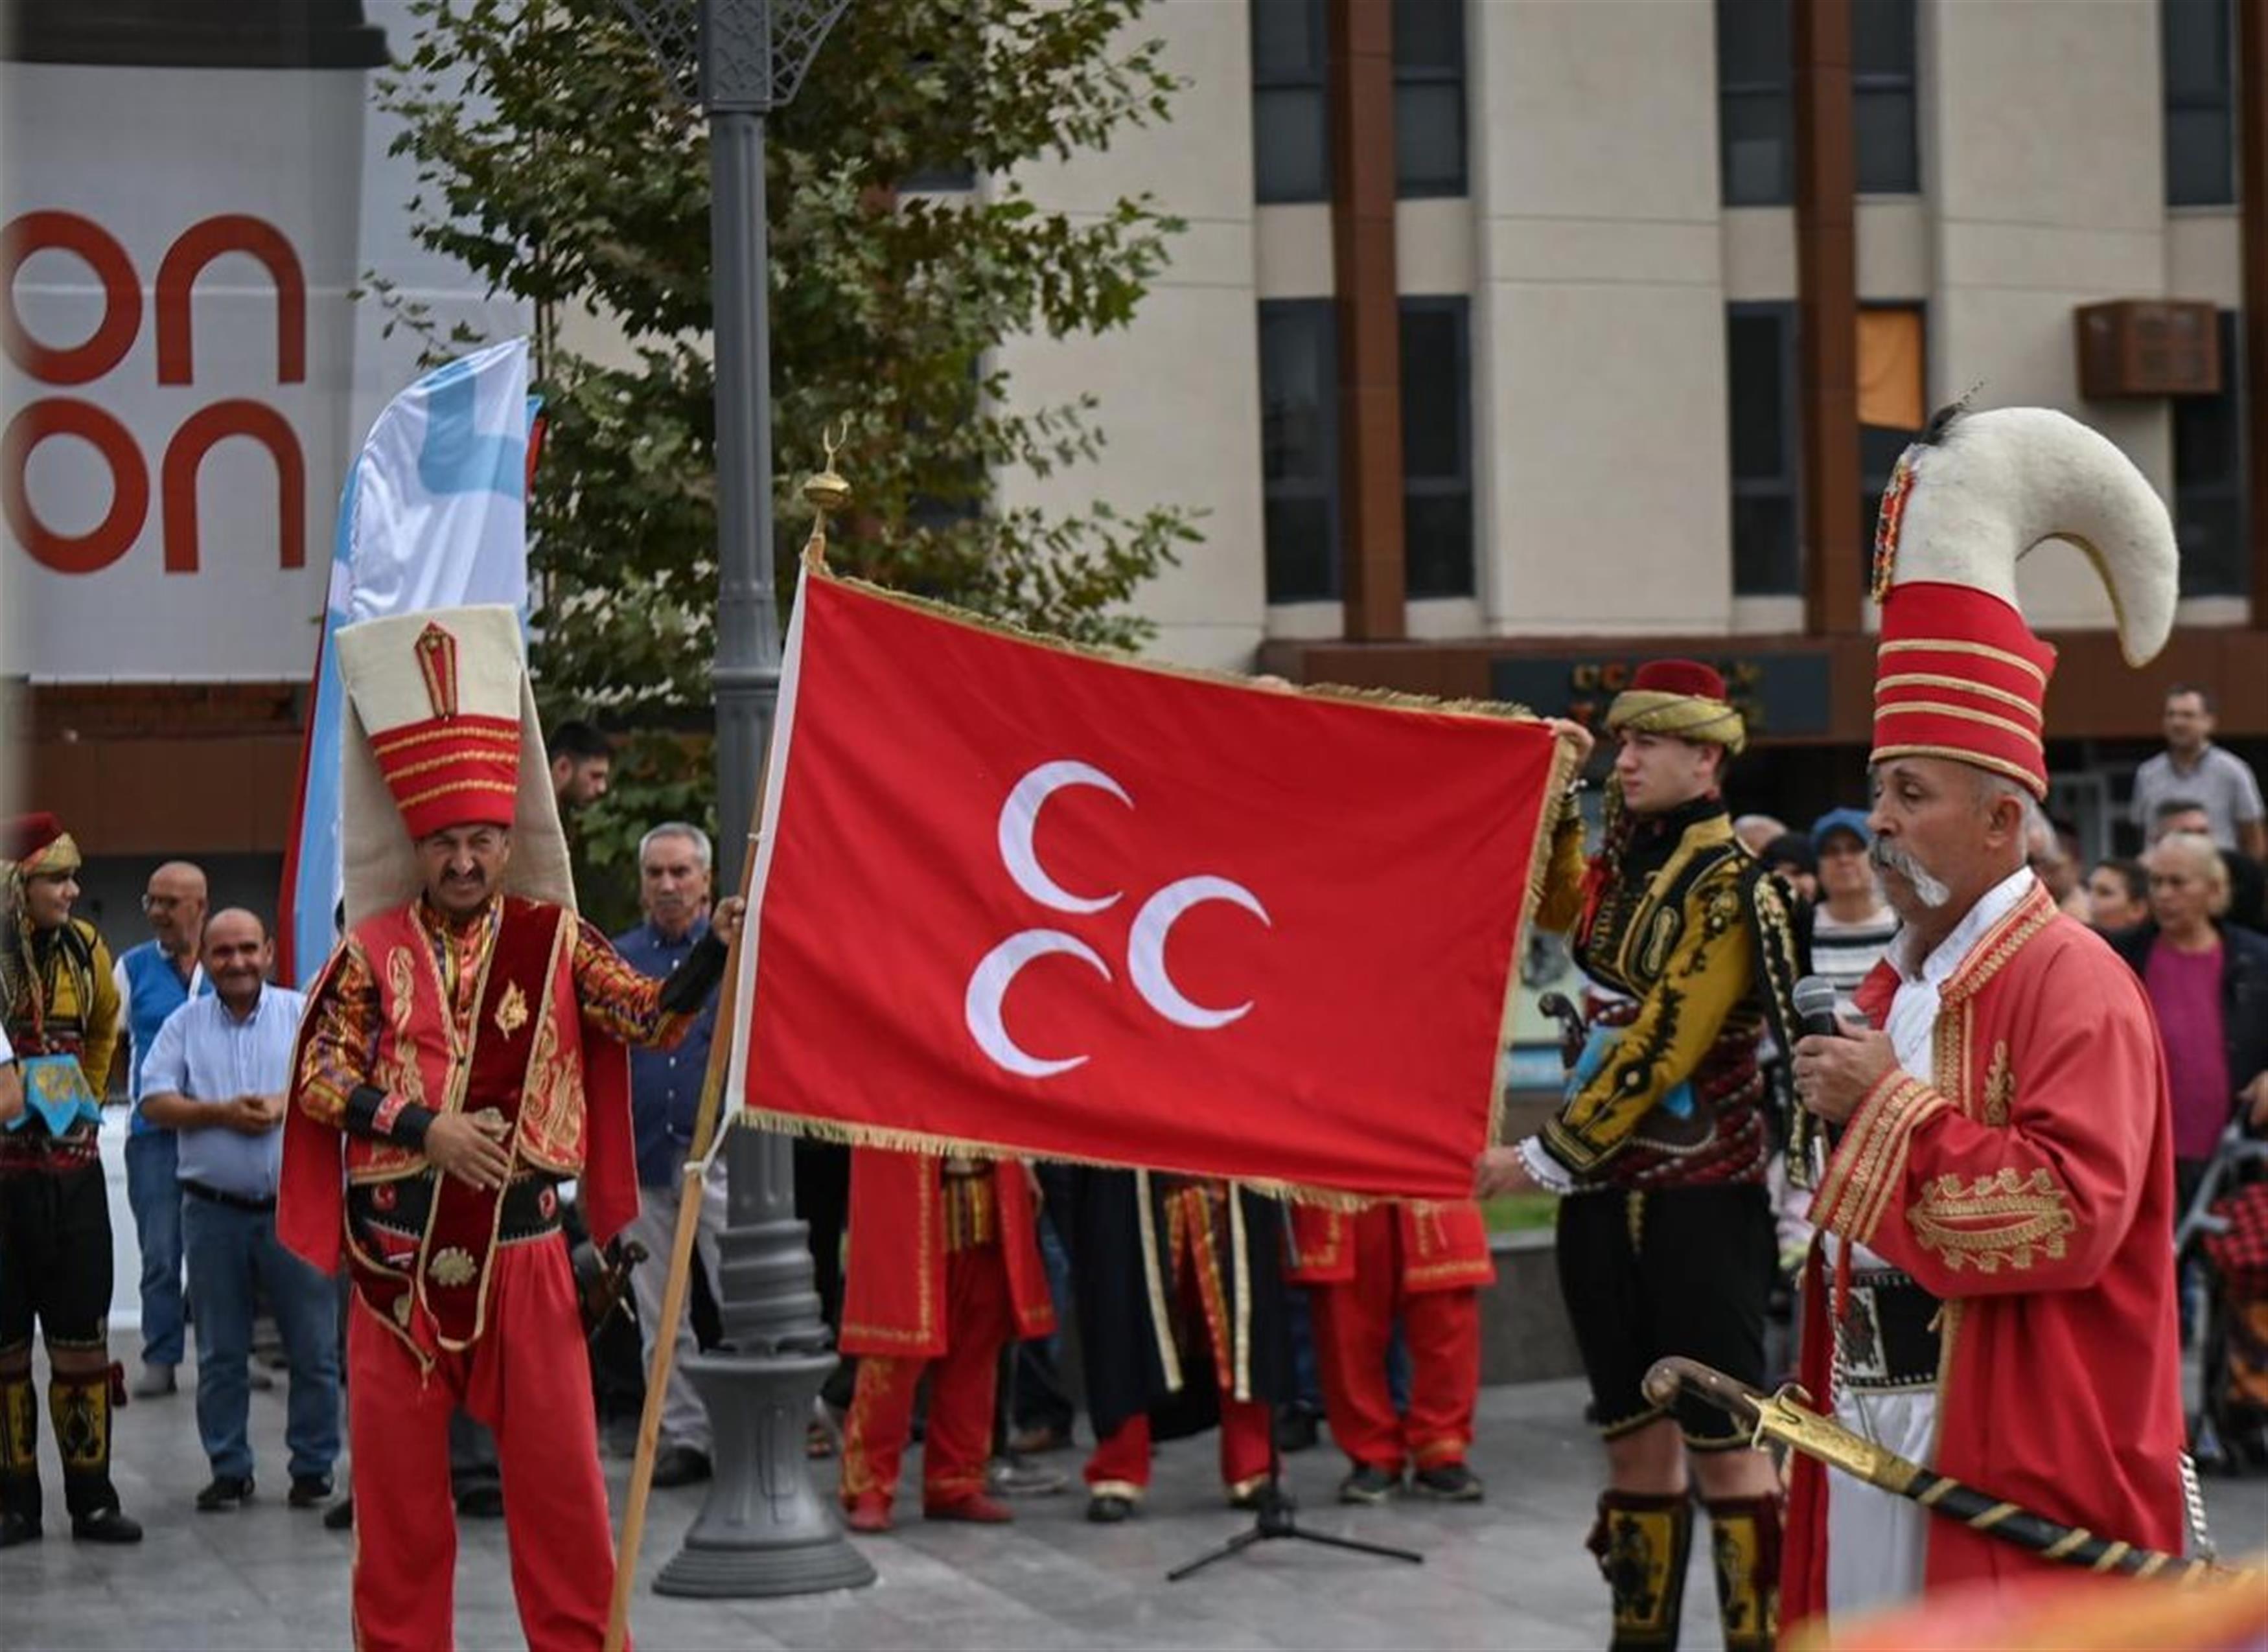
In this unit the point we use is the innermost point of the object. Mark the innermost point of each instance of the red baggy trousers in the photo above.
(1354, 1324)
(529, 1379)
(980, 1320)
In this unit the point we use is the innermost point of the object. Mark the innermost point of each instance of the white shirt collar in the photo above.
(1993, 905)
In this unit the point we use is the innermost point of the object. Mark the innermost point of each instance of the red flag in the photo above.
(1014, 896)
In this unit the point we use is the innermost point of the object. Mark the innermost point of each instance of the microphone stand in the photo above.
(1273, 1518)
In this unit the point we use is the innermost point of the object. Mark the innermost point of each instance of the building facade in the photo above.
(1508, 342)
(1511, 339)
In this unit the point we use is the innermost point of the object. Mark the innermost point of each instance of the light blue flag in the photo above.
(433, 515)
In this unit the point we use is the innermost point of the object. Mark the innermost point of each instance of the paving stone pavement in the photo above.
(1507, 1573)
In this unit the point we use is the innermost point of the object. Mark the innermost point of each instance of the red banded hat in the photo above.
(1959, 673)
(439, 698)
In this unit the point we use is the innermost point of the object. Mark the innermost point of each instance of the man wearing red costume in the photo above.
(1993, 1293)
(464, 1051)
(945, 1272)
(1422, 1262)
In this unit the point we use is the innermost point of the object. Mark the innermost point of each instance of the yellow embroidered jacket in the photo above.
(1679, 920)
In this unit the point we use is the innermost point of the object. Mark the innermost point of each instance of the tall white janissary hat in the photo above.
(441, 731)
(1959, 673)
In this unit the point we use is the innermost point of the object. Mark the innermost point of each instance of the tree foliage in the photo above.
(557, 161)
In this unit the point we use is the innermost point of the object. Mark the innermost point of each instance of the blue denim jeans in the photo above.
(153, 1190)
(232, 1254)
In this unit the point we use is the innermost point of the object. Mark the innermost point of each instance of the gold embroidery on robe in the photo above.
(2003, 1218)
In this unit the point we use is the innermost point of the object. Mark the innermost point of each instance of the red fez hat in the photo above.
(27, 834)
(1679, 677)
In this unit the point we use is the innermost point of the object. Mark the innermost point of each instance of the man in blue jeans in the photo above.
(154, 980)
(216, 1076)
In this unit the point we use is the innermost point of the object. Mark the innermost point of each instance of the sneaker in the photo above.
(339, 1516)
(1449, 1482)
(1013, 1477)
(680, 1466)
(155, 1383)
(309, 1490)
(227, 1491)
(109, 1526)
(1368, 1486)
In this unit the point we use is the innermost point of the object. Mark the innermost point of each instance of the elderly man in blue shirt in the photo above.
(217, 1075)
(674, 892)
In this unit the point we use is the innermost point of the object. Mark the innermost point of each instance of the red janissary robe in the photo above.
(893, 1294)
(1444, 1245)
(2030, 1186)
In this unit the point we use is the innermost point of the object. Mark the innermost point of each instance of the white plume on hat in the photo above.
(1995, 484)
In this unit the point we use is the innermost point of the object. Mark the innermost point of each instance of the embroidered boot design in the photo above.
(1745, 1537)
(1641, 1542)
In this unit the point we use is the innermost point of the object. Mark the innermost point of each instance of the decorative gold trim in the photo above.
(1959, 685)
(2000, 1086)
(1993, 1516)
(1954, 645)
(1240, 1259)
(2117, 1552)
(511, 1010)
(475, 731)
(2066, 1544)
(1960, 714)
(2023, 1217)
(505, 788)
(1161, 1323)
(2000, 944)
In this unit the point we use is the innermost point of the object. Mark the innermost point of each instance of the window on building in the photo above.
(1429, 98)
(1882, 96)
(1755, 102)
(1760, 374)
(953, 178)
(1300, 447)
(1893, 401)
(2209, 477)
(2197, 51)
(1290, 106)
(1437, 447)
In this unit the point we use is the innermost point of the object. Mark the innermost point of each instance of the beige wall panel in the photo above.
(1292, 251)
(1433, 247)
(1893, 248)
(2205, 257)
(1759, 255)
(1605, 424)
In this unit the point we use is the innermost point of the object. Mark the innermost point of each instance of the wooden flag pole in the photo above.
(705, 1125)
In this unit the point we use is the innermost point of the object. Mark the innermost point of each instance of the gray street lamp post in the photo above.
(765, 1530)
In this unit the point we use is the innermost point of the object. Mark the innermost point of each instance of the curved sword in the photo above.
(1788, 1418)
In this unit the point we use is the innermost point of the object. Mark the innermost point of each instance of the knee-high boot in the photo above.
(1641, 1541)
(1745, 1534)
(80, 1402)
(19, 1458)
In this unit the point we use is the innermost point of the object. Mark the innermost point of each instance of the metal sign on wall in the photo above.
(1778, 695)
(191, 194)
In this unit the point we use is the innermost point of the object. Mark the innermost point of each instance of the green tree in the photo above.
(557, 162)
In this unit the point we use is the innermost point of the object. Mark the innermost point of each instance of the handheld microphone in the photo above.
(1814, 1000)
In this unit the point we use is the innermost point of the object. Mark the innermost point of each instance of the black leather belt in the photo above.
(234, 1201)
(401, 1208)
(1886, 1337)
